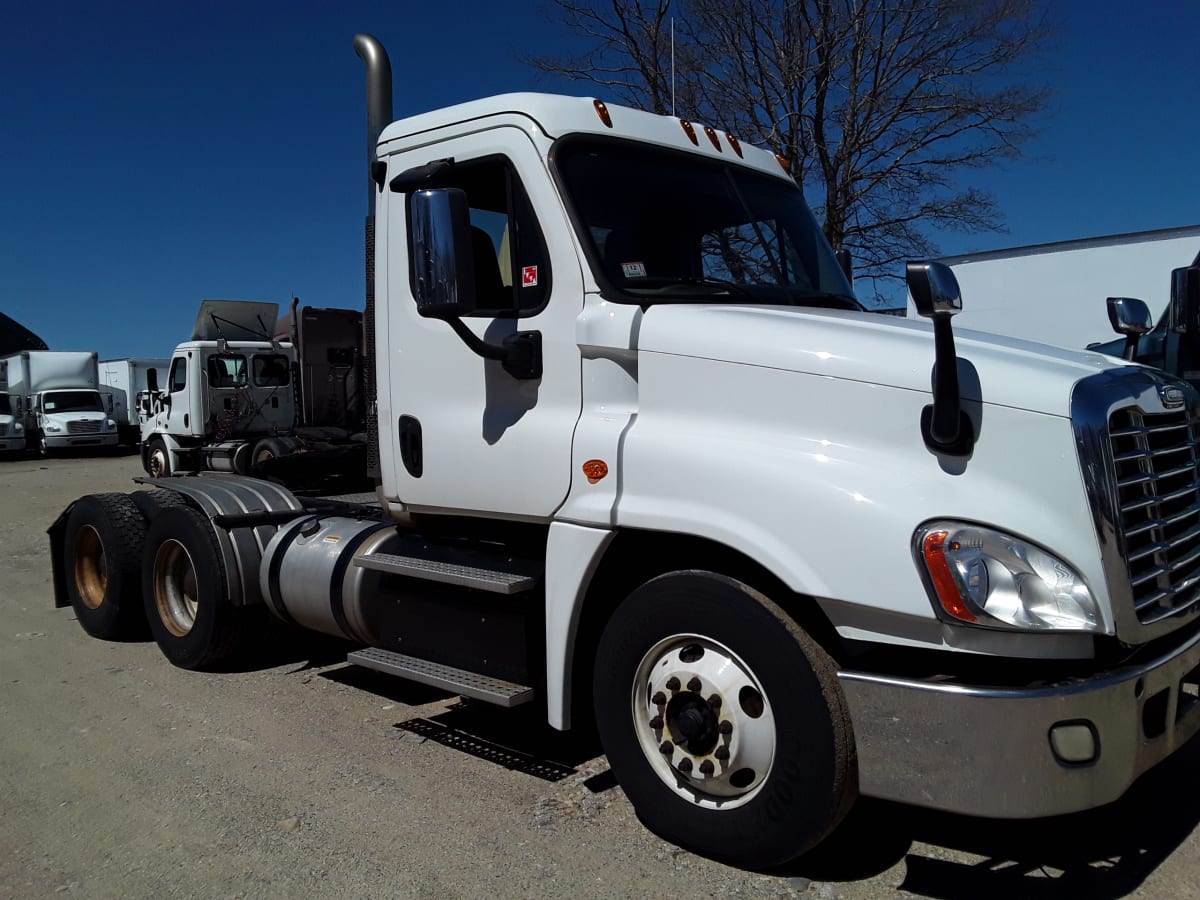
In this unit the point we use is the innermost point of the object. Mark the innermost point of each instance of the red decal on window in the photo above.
(529, 276)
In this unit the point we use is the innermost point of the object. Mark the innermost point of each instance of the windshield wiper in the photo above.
(844, 301)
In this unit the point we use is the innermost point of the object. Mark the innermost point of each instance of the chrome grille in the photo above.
(1155, 460)
(3, 429)
(83, 427)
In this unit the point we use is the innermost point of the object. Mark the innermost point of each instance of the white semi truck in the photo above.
(126, 382)
(643, 460)
(55, 394)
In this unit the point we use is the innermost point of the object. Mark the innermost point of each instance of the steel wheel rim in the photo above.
(158, 462)
(687, 687)
(175, 587)
(91, 567)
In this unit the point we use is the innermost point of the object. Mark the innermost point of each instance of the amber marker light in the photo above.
(689, 131)
(602, 112)
(735, 144)
(595, 469)
(712, 136)
(934, 550)
(783, 163)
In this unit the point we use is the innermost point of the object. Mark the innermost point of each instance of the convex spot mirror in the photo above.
(440, 247)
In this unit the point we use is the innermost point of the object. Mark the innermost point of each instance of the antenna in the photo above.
(672, 65)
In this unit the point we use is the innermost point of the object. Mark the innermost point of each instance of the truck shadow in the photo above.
(1103, 853)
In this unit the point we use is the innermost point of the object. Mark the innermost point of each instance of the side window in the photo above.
(227, 371)
(178, 379)
(512, 267)
(271, 371)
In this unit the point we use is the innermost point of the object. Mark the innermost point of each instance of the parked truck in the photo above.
(240, 395)
(12, 429)
(643, 460)
(55, 393)
(126, 382)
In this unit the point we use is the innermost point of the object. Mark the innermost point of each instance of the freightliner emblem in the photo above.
(1170, 395)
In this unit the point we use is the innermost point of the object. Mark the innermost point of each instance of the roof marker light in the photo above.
(783, 163)
(735, 144)
(689, 131)
(712, 136)
(602, 112)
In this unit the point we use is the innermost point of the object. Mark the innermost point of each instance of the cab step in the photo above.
(458, 681)
(495, 580)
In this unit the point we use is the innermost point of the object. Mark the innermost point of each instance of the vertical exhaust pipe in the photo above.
(379, 114)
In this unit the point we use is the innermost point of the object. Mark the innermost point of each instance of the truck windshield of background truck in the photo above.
(71, 401)
(663, 226)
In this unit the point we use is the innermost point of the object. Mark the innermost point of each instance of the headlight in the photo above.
(18, 428)
(109, 424)
(52, 427)
(995, 580)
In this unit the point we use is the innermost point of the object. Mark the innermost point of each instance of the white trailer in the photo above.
(55, 393)
(1055, 293)
(122, 381)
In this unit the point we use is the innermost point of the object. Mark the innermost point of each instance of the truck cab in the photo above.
(72, 417)
(220, 396)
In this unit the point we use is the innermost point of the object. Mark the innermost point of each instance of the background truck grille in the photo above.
(83, 428)
(3, 430)
(1155, 456)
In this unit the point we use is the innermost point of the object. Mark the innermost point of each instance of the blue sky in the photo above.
(155, 154)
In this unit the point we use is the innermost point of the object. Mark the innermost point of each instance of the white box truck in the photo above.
(56, 392)
(124, 381)
(642, 459)
(12, 429)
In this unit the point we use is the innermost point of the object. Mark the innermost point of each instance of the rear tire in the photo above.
(102, 563)
(723, 721)
(158, 459)
(186, 595)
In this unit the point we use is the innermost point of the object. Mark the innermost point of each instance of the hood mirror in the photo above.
(944, 425)
(1131, 317)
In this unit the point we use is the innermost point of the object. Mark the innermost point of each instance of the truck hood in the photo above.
(873, 349)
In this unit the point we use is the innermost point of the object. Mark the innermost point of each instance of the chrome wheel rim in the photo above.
(158, 462)
(703, 721)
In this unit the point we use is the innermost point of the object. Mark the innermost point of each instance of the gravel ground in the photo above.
(121, 776)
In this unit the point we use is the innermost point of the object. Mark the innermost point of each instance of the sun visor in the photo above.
(235, 320)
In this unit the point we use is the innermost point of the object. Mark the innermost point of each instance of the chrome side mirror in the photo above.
(944, 426)
(440, 247)
(934, 289)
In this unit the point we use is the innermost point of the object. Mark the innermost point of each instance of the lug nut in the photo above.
(672, 683)
(659, 698)
(667, 748)
(685, 765)
(714, 702)
(722, 753)
(656, 723)
(694, 685)
(726, 727)
(707, 767)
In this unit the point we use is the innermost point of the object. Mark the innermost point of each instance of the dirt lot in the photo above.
(121, 776)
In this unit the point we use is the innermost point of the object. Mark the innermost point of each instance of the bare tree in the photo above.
(877, 105)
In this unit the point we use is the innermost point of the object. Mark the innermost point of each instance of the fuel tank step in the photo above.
(494, 580)
(458, 681)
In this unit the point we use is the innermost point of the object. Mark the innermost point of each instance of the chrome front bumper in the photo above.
(987, 751)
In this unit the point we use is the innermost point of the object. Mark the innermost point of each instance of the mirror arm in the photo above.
(520, 355)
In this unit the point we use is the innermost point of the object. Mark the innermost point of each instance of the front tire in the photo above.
(723, 721)
(158, 458)
(185, 593)
(102, 561)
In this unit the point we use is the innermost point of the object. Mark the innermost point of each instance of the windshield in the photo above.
(71, 401)
(661, 226)
(5, 406)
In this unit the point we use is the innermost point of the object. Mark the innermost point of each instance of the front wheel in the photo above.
(158, 458)
(723, 721)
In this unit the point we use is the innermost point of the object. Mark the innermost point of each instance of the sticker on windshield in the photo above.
(633, 270)
(529, 276)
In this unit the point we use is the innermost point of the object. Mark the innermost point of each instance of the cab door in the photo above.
(463, 434)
